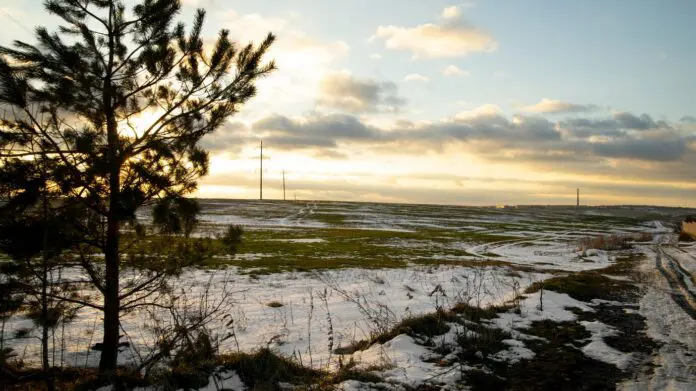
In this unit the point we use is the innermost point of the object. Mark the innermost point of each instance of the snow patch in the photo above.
(600, 351)
(516, 352)
(554, 309)
(405, 358)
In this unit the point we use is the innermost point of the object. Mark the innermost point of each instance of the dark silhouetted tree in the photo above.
(34, 233)
(75, 97)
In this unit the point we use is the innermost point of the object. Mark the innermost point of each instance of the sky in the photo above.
(479, 102)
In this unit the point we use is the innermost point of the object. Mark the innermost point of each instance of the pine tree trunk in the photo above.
(109, 354)
(112, 305)
(48, 376)
(44, 303)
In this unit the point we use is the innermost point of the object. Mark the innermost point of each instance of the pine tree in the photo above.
(74, 96)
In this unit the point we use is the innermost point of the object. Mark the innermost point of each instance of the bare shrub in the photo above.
(182, 325)
(379, 316)
(614, 242)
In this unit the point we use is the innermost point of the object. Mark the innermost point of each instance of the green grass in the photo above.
(558, 363)
(476, 314)
(585, 286)
(329, 218)
(263, 370)
(351, 247)
(424, 326)
(595, 284)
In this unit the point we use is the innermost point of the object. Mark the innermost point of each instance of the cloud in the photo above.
(549, 106)
(688, 119)
(302, 60)
(584, 128)
(230, 138)
(375, 56)
(252, 26)
(648, 149)
(487, 124)
(487, 110)
(329, 154)
(452, 12)
(486, 131)
(343, 91)
(453, 70)
(314, 131)
(620, 125)
(630, 121)
(452, 37)
(416, 77)
(484, 123)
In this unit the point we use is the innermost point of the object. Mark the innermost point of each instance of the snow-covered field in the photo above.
(434, 257)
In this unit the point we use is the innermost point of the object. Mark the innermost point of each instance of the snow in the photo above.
(558, 251)
(516, 352)
(405, 358)
(290, 328)
(354, 385)
(554, 309)
(686, 257)
(599, 350)
(348, 305)
(224, 380)
(674, 367)
(219, 380)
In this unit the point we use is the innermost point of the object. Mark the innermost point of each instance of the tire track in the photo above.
(677, 277)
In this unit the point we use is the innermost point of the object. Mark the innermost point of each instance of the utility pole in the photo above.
(283, 185)
(261, 158)
(578, 195)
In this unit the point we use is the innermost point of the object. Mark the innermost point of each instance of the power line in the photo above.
(15, 21)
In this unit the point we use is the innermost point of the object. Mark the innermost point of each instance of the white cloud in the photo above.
(415, 77)
(557, 106)
(345, 92)
(453, 70)
(293, 50)
(302, 60)
(487, 110)
(252, 26)
(376, 56)
(451, 38)
(452, 12)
